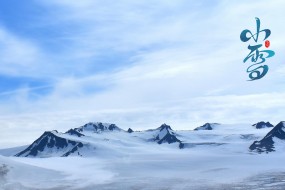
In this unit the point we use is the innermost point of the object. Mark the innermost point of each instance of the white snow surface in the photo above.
(120, 160)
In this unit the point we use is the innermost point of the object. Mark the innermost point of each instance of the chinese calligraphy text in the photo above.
(257, 55)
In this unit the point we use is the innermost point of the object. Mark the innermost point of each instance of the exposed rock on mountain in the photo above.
(130, 130)
(98, 127)
(262, 124)
(206, 126)
(49, 144)
(166, 135)
(273, 139)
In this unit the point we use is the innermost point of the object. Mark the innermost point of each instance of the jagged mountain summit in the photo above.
(98, 127)
(206, 126)
(50, 142)
(166, 135)
(262, 124)
(130, 130)
(273, 140)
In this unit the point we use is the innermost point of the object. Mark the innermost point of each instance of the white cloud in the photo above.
(185, 67)
(17, 55)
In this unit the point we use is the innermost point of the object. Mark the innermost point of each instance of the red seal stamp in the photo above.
(267, 43)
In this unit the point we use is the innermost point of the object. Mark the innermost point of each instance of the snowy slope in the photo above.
(12, 151)
(117, 159)
(230, 138)
(22, 176)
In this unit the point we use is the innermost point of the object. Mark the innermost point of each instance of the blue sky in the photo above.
(134, 63)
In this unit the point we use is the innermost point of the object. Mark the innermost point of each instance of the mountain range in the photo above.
(97, 139)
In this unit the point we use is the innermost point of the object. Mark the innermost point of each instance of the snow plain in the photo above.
(216, 159)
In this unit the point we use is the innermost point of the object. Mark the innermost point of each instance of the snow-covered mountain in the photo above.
(104, 139)
(274, 140)
(206, 126)
(166, 135)
(74, 142)
(98, 127)
(50, 144)
(97, 136)
(262, 124)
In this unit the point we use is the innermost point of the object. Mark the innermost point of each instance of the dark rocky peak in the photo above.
(48, 141)
(164, 127)
(130, 130)
(262, 124)
(50, 133)
(113, 127)
(277, 131)
(206, 126)
(166, 135)
(267, 144)
(74, 132)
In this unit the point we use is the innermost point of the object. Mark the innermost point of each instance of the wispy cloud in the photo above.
(17, 55)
